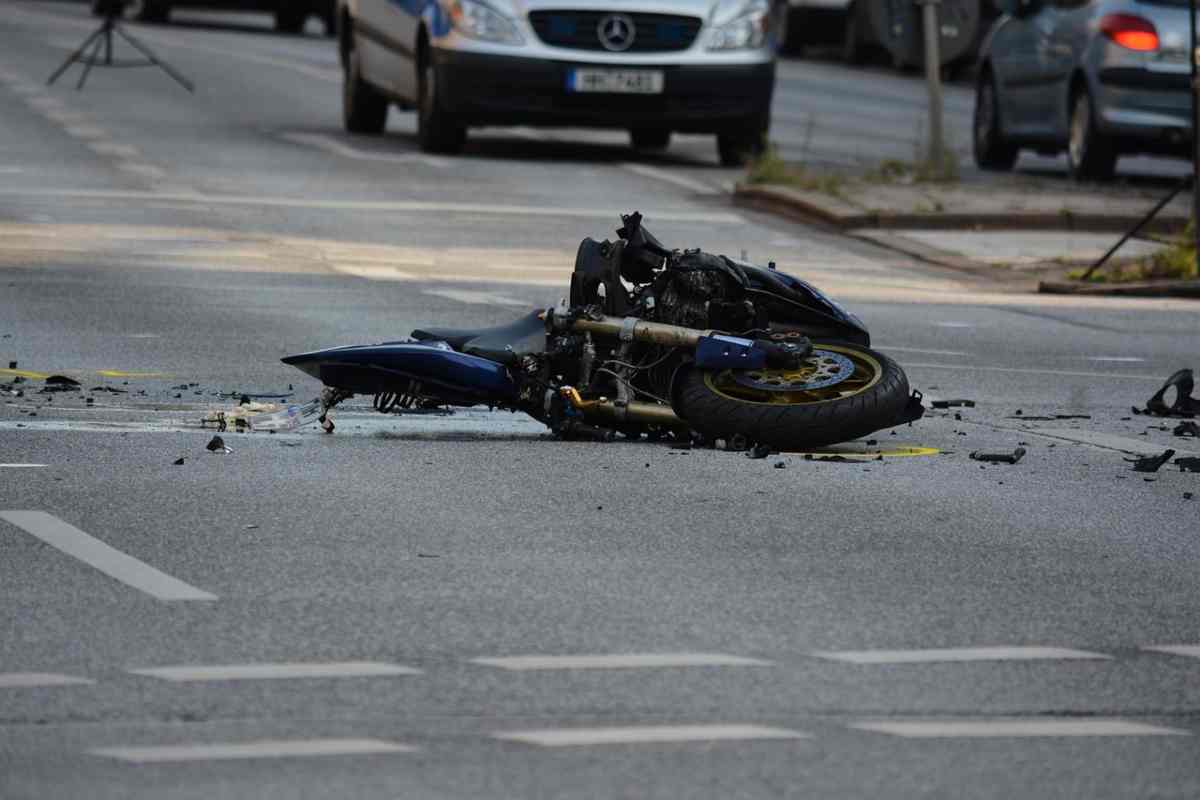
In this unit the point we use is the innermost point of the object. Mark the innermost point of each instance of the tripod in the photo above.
(97, 51)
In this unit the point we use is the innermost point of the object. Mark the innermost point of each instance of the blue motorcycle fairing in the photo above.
(795, 292)
(390, 367)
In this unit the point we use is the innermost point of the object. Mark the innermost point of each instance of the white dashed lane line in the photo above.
(281, 671)
(331, 145)
(620, 661)
(1008, 728)
(32, 680)
(956, 654)
(646, 734)
(266, 748)
(95, 553)
(1189, 650)
(20, 466)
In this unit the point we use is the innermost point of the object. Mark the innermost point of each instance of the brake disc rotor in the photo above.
(821, 369)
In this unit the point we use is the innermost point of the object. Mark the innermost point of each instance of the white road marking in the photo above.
(331, 145)
(20, 466)
(716, 218)
(29, 680)
(955, 324)
(264, 748)
(478, 298)
(44, 102)
(989, 728)
(919, 350)
(95, 553)
(646, 734)
(1189, 650)
(1024, 371)
(1121, 359)
(619, 661)
(138, 168)
(1108, 441)
(114, 149)
(664, 176)
(280, 671)
(85, 131)
(955, 654)
(7, 170)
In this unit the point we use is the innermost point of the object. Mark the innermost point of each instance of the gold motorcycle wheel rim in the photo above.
(867, 373)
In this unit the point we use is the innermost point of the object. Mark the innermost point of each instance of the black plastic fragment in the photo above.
(1191, 464)
(759, 451)
(178, 462)
(1150, 463)
(1184, 404)
(217, 444)
(953, 403)
(999, 458)
(1187, 429)
(780, 465)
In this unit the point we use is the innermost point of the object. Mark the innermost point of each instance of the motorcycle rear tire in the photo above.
(797, 421)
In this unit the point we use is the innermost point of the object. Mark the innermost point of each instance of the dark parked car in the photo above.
(290, 15)
(1097, 78)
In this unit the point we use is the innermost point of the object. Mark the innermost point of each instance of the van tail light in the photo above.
(1130, 31)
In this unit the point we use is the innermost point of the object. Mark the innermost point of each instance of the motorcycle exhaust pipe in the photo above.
(615, 411)
(632, 329)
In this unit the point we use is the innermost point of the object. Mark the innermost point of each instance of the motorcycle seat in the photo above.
(504, 344)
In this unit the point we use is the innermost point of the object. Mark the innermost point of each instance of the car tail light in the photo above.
(1129, 31)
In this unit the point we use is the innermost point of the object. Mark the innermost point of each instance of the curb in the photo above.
(1186, 288)
(818, 207)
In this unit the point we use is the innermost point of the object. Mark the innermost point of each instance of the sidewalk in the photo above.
(1022, 228)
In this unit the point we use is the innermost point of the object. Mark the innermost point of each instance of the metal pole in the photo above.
(1195, 141)
(933, 77)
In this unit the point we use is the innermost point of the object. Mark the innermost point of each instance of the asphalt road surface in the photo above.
(460, 606)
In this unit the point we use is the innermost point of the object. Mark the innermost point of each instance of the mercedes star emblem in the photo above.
(616, 32)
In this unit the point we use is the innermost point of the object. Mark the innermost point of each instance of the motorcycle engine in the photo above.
(701, 290)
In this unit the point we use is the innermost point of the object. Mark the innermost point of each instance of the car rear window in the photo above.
(1176, 3)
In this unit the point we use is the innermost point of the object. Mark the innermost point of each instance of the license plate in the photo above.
(615, 81)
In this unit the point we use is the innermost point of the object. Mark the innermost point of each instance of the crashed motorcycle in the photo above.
(653, 341)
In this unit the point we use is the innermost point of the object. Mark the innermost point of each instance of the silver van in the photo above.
(648, 66)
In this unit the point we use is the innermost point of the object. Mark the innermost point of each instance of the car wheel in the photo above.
(992, 150)
(738, 146)
(649, 138)
(437, 131)
(1090, 154)
(364, 109)
(289, 18)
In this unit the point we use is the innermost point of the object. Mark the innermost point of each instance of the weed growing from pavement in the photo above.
(771, 168)
(1175, 261)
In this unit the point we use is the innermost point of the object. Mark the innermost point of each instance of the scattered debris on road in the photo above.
(1188, 464)
(1184, 405)
(758, 451)
(1187, 429)
(217, 445)
(953, 403)
(999, 458)
(1150, 463)
(178, 462)
(60, 383)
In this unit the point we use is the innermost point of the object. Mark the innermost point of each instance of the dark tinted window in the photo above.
(1176, 3)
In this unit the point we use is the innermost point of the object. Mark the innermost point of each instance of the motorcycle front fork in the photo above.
(330, 397)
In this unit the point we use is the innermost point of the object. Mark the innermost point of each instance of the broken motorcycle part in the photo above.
(1190, 464)
(953, 403)
(999, 458)
(1150, 463)
(1182, 405)
(1187, 429)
